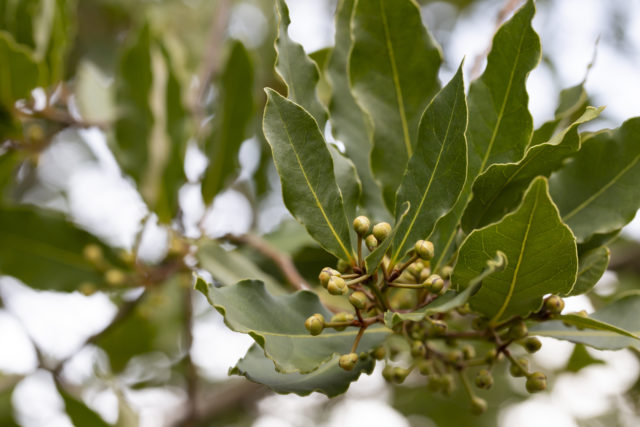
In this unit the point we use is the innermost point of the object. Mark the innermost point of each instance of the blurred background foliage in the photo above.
(110, 112)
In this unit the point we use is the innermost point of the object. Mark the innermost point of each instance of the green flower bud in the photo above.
(554, 304)
(468, 352)
(517, 331)
(434, 284)
(424, 274)
(454, 357)
(532, 344)
(341, 317)
(371, 242)
(87, 288)
(434, 383)
(315, 324)
(399, 374)
(464, 309)
(115, 277)
(415, 268)
(437, 327)
(337, 286)
(343, 266)
(446, 272)
(424, 249)
(448, 384)
(358, 299)
(521, 369)
(484, 379)
(361, 225)
(387, 373)
(478, 405)
(326, 274)
(379, 352)
(381, 230)
(536, 382)
(491, 356)
(418, 349)
(425, 367)
(348, 361)
(93, 253)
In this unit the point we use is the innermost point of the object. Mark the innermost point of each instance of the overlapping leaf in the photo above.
(347, 180)
(277, 325)
(393, 70)
(542, 258)
(591, 267)
(307, 173)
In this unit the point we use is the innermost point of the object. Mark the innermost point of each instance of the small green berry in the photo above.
(358, 300)
(446, 272)
(520, 369)
(469, 352)
(337, 286)
(424, 249)
(381, 230)
(361, 225)
(315, 324)
(517, 331)
(478, 405)
(536, 382)
(399, 374)
(418, 349)
(371, 242)
(387, 373)
(348, 361)
(434, 284)
(379, 352)
(554, 304)
(532, 344)
(484, 379)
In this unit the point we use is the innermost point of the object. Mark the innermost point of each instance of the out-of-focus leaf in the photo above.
(591, 267)
(79, 412)
(6, 408)
(289, 237)
(19, 73)
(348, 182)
(542, 258)
(45, 251)
(55, 29)
(277, 325)
(299, 73)
(347, 119)
(8, 165)
(307, 174)
(94, 94)
(18, 19)
(393, 70)
(233, 114)
(436, 172)
(329, 378)
(580, 358)
(597, 191)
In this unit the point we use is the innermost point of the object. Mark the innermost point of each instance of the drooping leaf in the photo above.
(393, 70)
(19, 73)
(299, 73)
(591, 267)
(597, 191)
(612, 327)
(436, 172)
(233, 115)
(375, 258)
(45, 251)
(277, 325)
(349, 124)
(499, 189)
(329, 379)
(500, 125)
(542, 258)
(307, 174)
(347, 180)
(580, 358)
(79, 412)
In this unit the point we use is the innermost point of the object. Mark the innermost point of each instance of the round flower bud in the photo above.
(438, 327)
(532, 344)
(424, 249)
(381, 231)
(434, 383)
(337, 286)
(418, 349)
(469, 352)
(424, 274)
(361, 225)
(415, 268)
(536, 382)
(484, 379)
(358, 300)
(478, 405)
(379, 352)
(520, 369)
(87, 288)
(326, 274)
(115, 277)
(455, 357)
(517, 331)
(398, 374)
(341, 317)
(554, 304)
(315, 324)
(491, 356)
(343, 266)
(371, 242)
(434, 284)
(446, 271)
(93, 253)
(348, 361)
(387, 373)
(425, 366)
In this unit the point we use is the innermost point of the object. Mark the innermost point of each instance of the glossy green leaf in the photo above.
(307, 174)
(328, 379)
(347, 180)
(373, 260)
(44, 250)
(393, 70)
(499, 189)
(500, 125)
(580, 358)
(79, 412)
(349, 124)
(19, 73)
(298, 72)
(542, 258)
(591, 267)
(606, 329)
(597, 191)
(437, 170)
(277, 325)
(230, 126)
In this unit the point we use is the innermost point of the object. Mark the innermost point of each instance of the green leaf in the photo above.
(19, 73)
(597, 191)
(18, 19)
(347, 180)
(436, 172)
(230, 267)
(591, 267)
(6, 407)
(55, 30)
(580, 358)
(499, 189)
(233, 116)
(93, 93)
(45, 251)
(584, 322)
(500, 125)
(307, 174)
(393, 70)
(542, 258)
(298, 72)
(8, 167)
(79, 412)
(277, 324)
(348, 122)
(328, 379)
(373, 260)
